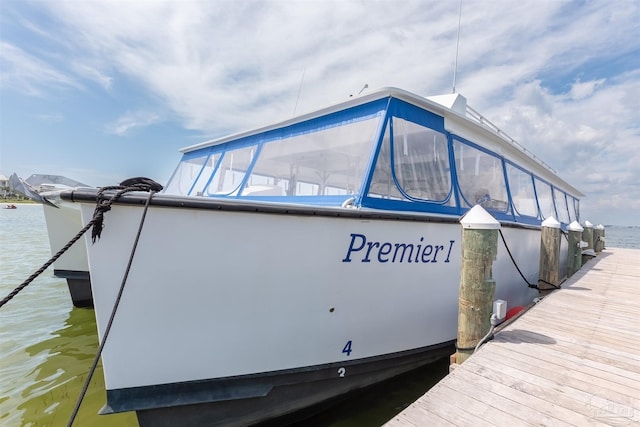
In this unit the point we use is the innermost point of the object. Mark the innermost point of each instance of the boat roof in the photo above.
(452, 107)
(351, 102)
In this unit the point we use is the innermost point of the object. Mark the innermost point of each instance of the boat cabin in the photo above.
(389, 150)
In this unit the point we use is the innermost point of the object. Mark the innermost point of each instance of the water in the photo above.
(622, 236)
(47, 346)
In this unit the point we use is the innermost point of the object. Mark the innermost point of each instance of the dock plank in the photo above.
(573, 359)
(530, 382)
(547, 376)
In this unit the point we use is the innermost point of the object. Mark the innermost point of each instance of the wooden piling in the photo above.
(574, 258)
(598, 238)
(549, 273)
(587, 236)
(477, 287)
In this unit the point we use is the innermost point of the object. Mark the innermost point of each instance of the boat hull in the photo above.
(224, 292)
(296, 391)
(63, 223)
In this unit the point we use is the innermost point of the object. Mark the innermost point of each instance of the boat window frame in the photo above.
(400, 185)
(553, 203)
(238, 188)
(516, 213)
(499, 214)
(373, 110)
(206, 154)
(216, 164)
(565, 220)
(422, 117)
(385, 109)
(574, 208)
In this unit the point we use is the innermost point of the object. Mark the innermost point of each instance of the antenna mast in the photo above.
(295, 107)
(455, 65)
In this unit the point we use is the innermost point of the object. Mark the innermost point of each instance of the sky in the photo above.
(100, 91)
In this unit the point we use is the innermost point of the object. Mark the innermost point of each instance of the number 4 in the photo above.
(347, 348)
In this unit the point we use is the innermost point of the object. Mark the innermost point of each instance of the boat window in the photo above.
(186, 173)
(420, 161)
(382, 183)
(265, 185)
(545, 199)
(205, 175)
(572, 203)
(480, 178)
(523, 195)
(230, 174)
(327, 161)
(561, 206)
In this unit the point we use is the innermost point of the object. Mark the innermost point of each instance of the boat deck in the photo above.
(571, 360)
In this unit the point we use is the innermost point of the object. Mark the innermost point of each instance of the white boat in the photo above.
(62, 226)
(292, 264)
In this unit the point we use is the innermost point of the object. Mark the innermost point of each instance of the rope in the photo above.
(85, 387)
(531, 285)
(103, 205)
(46, 264)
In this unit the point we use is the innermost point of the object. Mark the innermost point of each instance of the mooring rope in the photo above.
(46, 265)
(103, 205)
(531, 285)
(94, 365)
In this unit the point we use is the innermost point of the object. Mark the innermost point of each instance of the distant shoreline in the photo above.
(17, 202)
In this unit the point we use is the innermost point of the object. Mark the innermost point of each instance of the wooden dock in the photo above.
(571, 360)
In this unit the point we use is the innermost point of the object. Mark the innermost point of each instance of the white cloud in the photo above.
(22, 71)
(581, 90)
(132, 120)
(592, 141)
(93, 74)
(545, 71)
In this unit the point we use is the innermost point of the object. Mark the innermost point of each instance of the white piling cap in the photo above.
(575, 226)
(587, 224)
(551, 222)
(600, 227)
(479, 219)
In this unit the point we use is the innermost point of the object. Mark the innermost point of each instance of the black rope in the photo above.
(547, 283)
(46, 264)
(531, 285)
(85, 387)
(103, 205)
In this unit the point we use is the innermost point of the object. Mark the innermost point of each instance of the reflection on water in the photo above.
(50, 389)
(46, 346)
(378, 404)
(58, 381)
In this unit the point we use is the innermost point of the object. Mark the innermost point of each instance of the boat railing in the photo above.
(483, 121)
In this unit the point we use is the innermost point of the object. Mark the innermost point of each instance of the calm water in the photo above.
(47, 346)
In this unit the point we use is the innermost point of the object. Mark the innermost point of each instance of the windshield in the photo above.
(327, 159)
